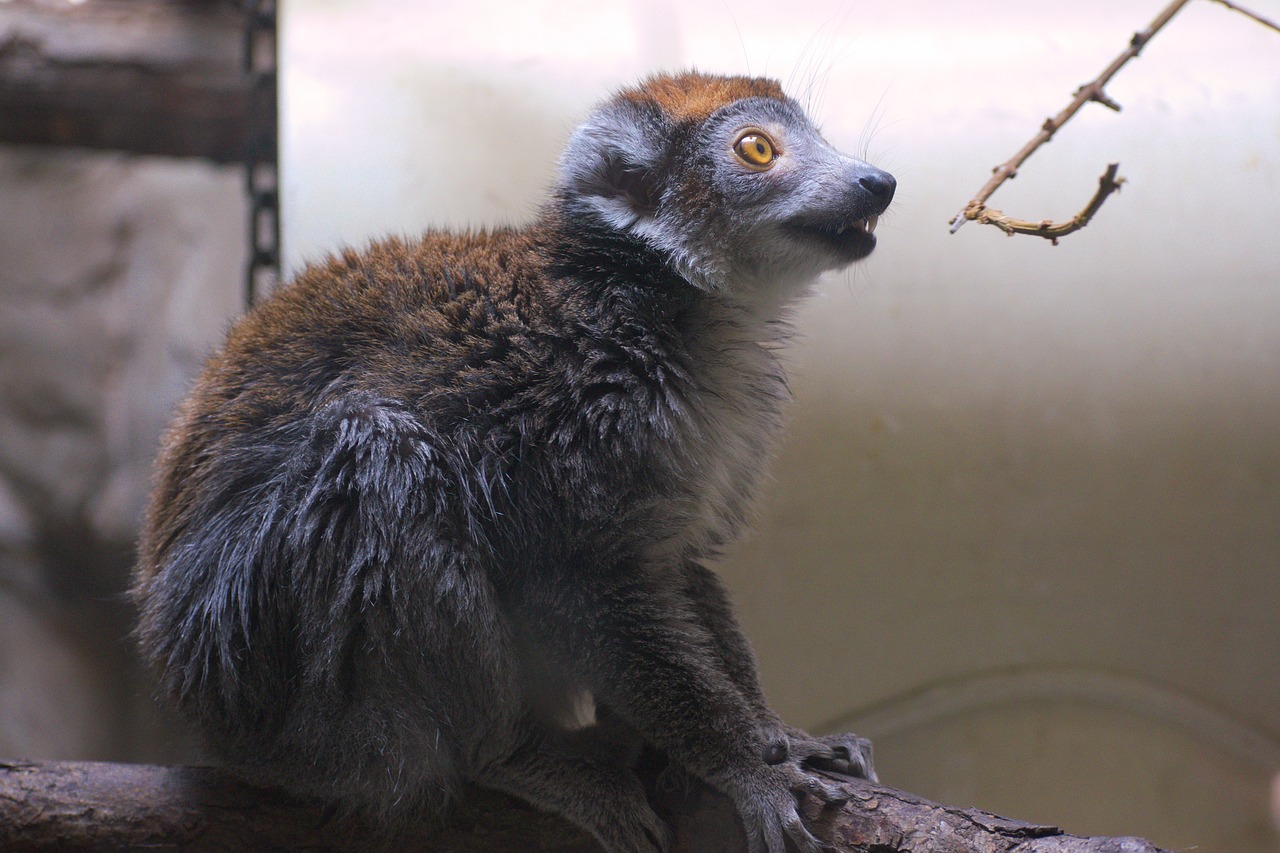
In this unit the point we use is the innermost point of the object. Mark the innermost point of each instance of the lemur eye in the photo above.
(755, 149)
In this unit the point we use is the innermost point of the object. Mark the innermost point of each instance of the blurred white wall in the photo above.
(1026, 528)
(118, 274)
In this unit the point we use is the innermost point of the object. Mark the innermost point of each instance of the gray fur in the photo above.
(437, 512)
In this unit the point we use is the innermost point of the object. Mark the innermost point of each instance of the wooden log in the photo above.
(144, 76)
(81, 806)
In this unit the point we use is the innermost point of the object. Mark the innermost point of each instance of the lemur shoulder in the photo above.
(437, 511)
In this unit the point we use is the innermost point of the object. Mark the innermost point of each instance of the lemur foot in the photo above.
(656, 834)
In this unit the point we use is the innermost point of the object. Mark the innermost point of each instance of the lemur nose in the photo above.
(879, 184)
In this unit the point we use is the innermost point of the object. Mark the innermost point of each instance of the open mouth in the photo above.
(852, 240)
(866, 226)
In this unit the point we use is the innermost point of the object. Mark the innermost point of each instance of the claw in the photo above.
(821, 789)
(844, 754)
(802, 838)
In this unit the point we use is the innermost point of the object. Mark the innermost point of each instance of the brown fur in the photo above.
(692, 97)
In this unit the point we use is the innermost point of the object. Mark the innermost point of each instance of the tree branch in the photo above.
(81, 806)
(1107, 184)
(1091, 91)
(1094, 90)
(1235, 7)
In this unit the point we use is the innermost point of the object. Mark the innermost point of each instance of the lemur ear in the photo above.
(611, 162)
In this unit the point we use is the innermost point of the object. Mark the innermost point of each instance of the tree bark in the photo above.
(81, 806)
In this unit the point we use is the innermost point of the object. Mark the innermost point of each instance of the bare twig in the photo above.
(1092, 91)
(1243, 11)
(1107, 184)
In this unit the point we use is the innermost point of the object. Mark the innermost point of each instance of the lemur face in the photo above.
(730, 178)
(788, 203)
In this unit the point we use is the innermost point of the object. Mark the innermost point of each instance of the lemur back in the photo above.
(438, 508)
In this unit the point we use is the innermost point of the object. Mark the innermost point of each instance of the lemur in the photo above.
(438, 511)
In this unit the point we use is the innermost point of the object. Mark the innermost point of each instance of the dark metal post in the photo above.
(261, 158)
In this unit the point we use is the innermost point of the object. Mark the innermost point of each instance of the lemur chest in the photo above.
(722, 438)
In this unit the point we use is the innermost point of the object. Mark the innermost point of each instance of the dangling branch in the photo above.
(1107, 184)
(1248, 14)
(1094, 90)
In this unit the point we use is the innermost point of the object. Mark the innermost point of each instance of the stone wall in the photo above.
(117, 274)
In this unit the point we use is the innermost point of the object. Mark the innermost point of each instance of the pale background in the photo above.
(1025, 531)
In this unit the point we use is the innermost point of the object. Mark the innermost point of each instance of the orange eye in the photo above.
(755, 149)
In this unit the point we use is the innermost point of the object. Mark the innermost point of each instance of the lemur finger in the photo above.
(660, 836)
(800, 835)
(822, 789)
(761, 840)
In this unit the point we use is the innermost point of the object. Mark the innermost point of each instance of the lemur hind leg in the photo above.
(666, 678)
(557, 772)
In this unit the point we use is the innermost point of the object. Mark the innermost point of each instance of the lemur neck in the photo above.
(610, 267)
(583, 248)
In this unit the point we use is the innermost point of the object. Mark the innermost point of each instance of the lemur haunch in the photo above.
(437, 511)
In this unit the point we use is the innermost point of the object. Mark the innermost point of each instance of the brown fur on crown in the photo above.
(692, 96)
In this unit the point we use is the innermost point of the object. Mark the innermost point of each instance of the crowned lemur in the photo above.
(438, 511)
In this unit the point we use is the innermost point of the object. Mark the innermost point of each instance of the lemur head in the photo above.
(728, 177)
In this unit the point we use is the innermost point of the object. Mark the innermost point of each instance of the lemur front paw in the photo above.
(768, 802)
(845, 754)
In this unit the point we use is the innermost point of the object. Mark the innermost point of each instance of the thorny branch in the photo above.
(1094, 90)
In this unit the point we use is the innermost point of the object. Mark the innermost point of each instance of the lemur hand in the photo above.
(845, 754)
(768, 801)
